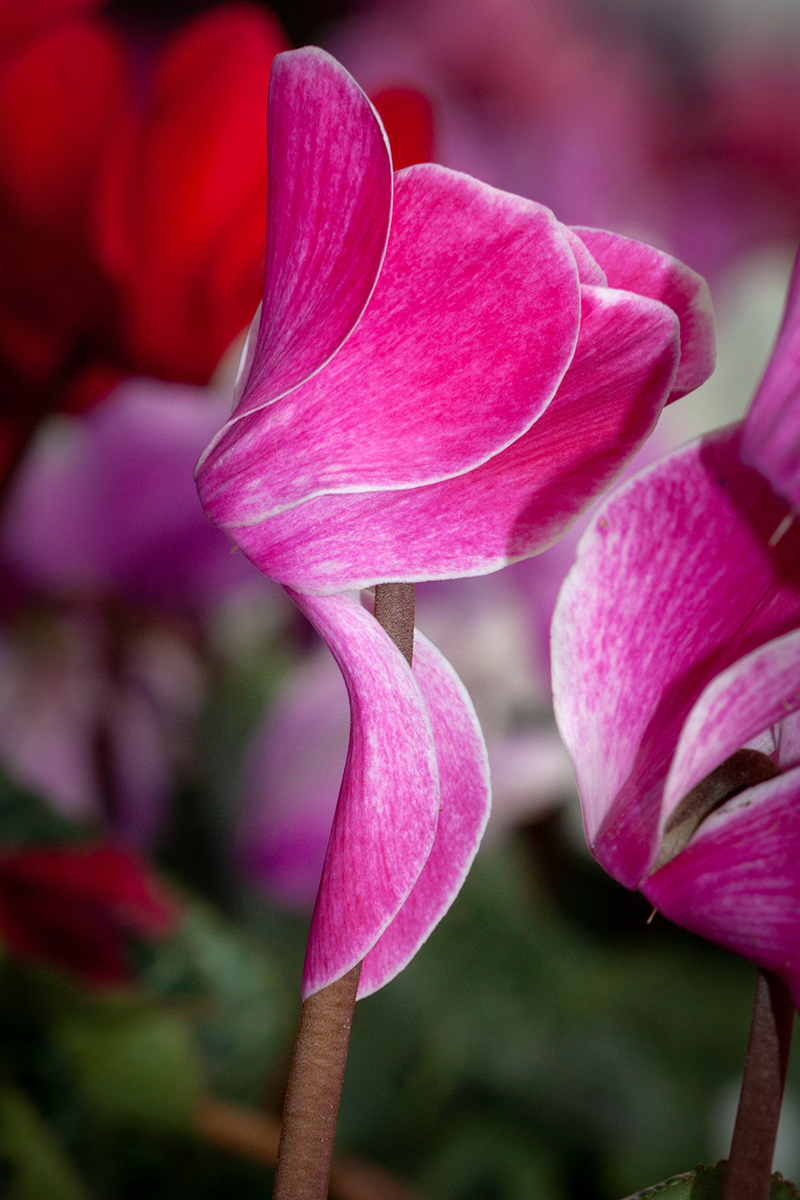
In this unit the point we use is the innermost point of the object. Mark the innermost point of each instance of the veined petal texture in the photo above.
(464, 802)
(640, 268)
(675, 580)
(515, 504)
(329, 209)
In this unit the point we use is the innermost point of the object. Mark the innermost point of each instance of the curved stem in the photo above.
(323, 1035)
(747, 1175)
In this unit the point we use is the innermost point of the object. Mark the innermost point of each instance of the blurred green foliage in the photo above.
(545, 1042)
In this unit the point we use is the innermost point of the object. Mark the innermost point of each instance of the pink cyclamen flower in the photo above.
(441, 378)
(676, 645)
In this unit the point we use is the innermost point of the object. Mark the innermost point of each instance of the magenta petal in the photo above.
(771, 440)
(464, 811)
(640, 268)
(674, 580)
(515, 504)
(388, 807)
(756, 692)
(467, 336)
(737, 883)
(328, 217)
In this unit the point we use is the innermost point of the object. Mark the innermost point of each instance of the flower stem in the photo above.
(747, 1175)
(320, 1050)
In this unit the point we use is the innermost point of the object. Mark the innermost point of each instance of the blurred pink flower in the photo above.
(676, 647)
(529, 95)
(441, 378)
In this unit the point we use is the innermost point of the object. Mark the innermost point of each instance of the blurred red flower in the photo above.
(76, 907)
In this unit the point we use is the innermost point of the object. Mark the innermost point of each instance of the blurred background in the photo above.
(172, 733)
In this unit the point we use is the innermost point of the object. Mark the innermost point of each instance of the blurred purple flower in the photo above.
(104, 507)
(100, 675)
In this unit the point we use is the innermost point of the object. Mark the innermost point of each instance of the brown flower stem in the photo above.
(747, 1175)
(394, 611)
(320, 1050)
(253, 1135)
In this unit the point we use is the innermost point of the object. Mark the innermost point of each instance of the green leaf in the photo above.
(705, 1183)
(238, 1002)
(134, 1068)
(36, 1167)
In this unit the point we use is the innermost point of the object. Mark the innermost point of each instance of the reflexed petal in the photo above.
(737, 883)
(771, 440)
(388, 806)
(466, 338)
(674, 581)
(329, 211)
(464, 811)
(512, 505)
(751, 695)
(640, 268)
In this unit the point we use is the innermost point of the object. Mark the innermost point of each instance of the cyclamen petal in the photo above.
(388, 808)
(737, 881)
(758, 691)
(516, 504)
(328, 216)
(649, 272)
(674, 580)
(411, 809)
(771, 439)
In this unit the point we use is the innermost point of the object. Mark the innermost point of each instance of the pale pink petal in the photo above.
(640, 268)
(771, 440)
(328, 217)
(463, 345)
(388, 807)
(753, 694)
(675, 579)
(464, 811)
(515, 504)
(737, 883)
(788, 739)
